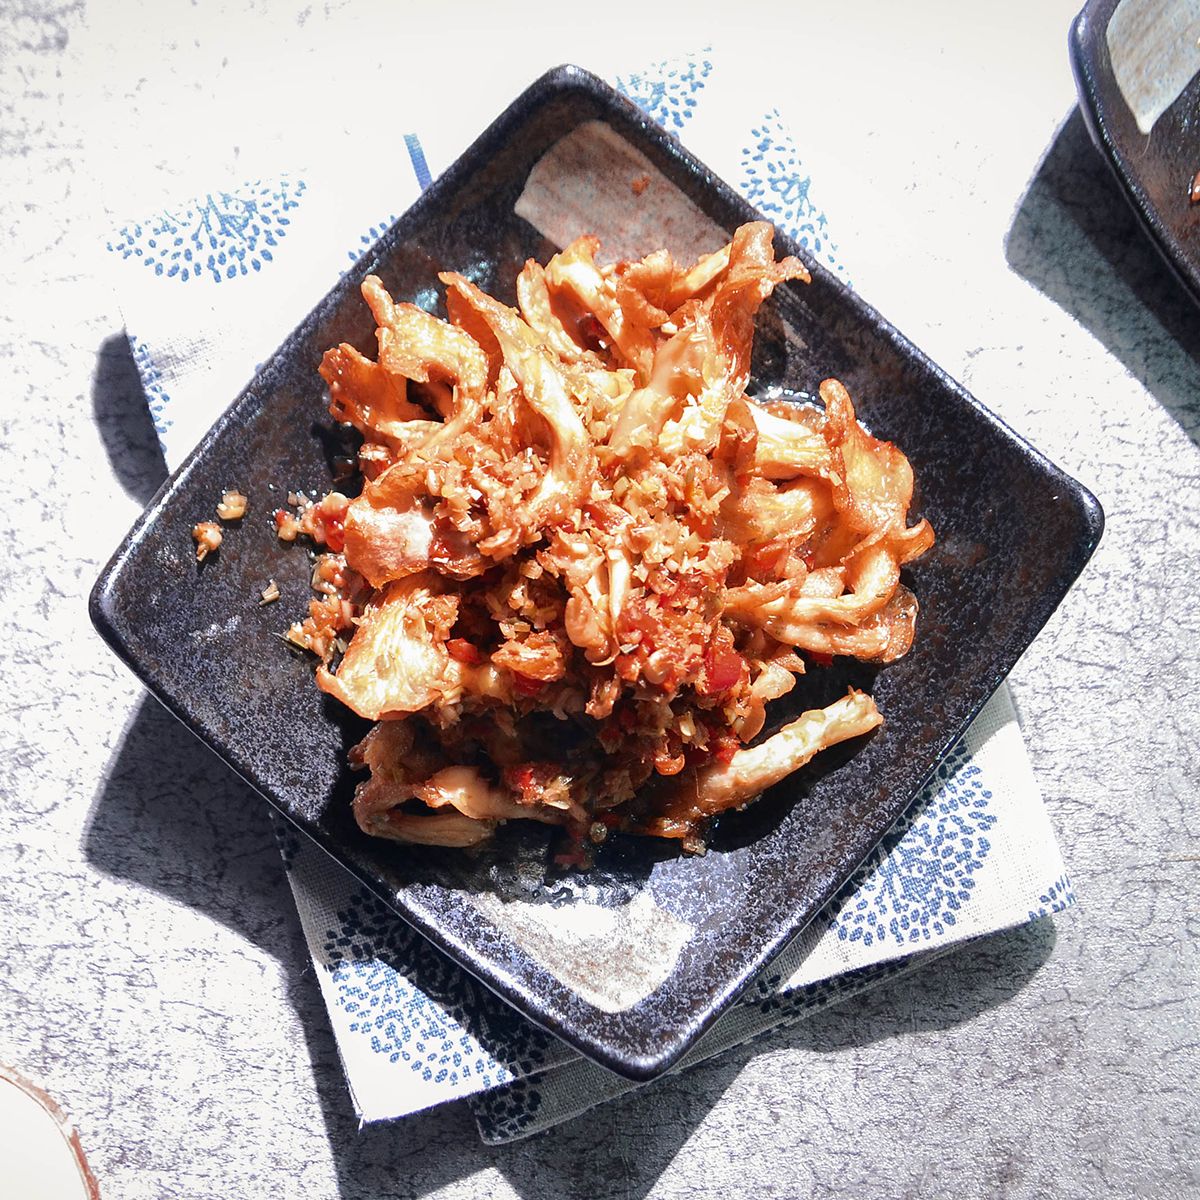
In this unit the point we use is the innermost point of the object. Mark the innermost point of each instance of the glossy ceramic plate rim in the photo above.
(594, 1037)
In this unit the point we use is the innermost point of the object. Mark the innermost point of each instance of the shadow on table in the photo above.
(1076, 239)
(621, 1149)
(123, 420)
(217, 856)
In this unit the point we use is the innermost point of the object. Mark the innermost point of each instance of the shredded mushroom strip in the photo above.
(584, 561)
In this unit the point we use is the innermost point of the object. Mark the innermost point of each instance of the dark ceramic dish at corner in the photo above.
(1155, 169)
(633, 963)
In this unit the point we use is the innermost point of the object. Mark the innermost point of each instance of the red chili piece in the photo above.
(335, 533)
(521, 777)
(722, 669)
(725, 749)
(526, 685)
(464, 652)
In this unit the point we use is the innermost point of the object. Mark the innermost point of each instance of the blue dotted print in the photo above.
(223, 235)
(405, 1025)
(776, 183)
(442, 1030)
(913, 888)
(156, 396)
(1058, 897)
(287, 838)
(368, 239)
(667, 91)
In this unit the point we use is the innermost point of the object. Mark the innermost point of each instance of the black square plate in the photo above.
(1155, 168)
(632, 962)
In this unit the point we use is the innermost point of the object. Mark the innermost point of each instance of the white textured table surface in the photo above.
(152, 974)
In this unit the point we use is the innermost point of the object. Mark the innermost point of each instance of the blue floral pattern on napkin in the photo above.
(776, 183)
(451, 1030)
(915, 884)
(222, 235)
(156, 396)
(668, 91)
(368, 239)
(1058, 897)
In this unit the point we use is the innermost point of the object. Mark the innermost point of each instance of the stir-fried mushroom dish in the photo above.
(584, 561)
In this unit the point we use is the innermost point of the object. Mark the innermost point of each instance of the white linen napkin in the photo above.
(208, 288)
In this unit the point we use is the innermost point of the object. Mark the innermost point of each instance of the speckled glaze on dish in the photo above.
(1155, 169)
(661, 942)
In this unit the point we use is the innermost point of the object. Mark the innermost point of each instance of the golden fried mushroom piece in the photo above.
(733, 784)
(397, 661)
(414, 344)
(574, 272)
(677, 374)
(465, 789)
(367, 396)
(756, 768)
(450, 829)
(537, 308)
(787, 449)
(545, 390)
